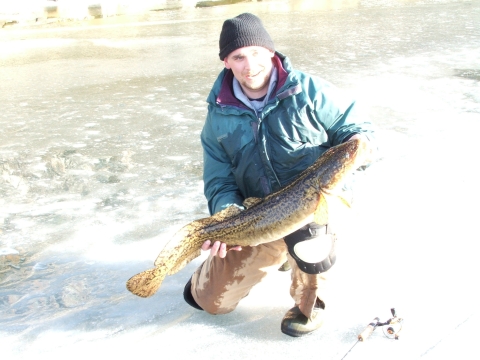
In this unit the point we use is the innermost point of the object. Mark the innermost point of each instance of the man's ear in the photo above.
(225, 62)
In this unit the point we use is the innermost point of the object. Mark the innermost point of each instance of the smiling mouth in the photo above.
(253, 75)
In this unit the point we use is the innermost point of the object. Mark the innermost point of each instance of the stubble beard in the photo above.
(262, 85)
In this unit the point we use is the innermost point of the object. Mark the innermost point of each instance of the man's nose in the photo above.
(248, 62)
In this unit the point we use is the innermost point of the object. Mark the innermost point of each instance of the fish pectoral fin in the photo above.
(232, 210)
(320, 216)
(146, 283)
(182, 263)
(330, 206)
(249, 202)
(345, 201)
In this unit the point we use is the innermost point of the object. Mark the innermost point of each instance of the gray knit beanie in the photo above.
(244, 30)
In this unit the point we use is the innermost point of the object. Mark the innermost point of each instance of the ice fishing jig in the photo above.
(391, 329)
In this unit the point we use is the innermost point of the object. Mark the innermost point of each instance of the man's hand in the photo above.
(357, 136)
(218, 248)
(371, 150)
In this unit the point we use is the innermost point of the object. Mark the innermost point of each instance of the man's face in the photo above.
(251, 66)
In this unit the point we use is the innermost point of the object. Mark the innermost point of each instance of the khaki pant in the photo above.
(219, 284)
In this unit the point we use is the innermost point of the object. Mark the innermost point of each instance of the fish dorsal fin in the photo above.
(249, 202)
(226, 213)
(184, 262)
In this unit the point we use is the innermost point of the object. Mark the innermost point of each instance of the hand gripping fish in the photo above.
(264, 220)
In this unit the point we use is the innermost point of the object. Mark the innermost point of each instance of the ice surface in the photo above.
(100, 163)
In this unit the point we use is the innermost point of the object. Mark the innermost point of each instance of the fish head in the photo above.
(340, 161)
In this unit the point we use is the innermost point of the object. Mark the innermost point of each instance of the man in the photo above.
(267, 123)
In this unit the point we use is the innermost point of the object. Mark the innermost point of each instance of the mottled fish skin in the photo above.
(264, 220)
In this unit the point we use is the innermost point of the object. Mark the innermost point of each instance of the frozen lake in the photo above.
(100, 162)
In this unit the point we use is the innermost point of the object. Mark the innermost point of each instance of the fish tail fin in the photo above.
(146, 283)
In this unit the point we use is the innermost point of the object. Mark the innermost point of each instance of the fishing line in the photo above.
(455, 329)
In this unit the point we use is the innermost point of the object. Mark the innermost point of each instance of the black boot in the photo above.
(296, 324)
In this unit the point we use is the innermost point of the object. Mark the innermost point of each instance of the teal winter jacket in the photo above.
(248, 154)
